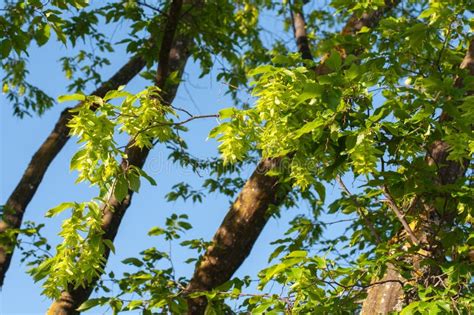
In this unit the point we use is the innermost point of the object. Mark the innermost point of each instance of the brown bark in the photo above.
(383, 301)
(301, 37)
(389, 297)
(172, 57)
(248, 214)
(238, 232)
(33, 175)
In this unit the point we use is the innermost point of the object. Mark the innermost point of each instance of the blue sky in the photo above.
(20, 138)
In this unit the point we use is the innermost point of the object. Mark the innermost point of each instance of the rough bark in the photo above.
(248, 214)
(34, 173)
(238, 232)
(172, 57)
(389, 297)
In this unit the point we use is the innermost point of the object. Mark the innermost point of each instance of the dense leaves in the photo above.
(388, 97)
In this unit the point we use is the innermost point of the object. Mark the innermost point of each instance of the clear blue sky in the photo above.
(20, 138)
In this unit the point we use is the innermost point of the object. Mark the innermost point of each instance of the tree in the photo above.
(385, 103)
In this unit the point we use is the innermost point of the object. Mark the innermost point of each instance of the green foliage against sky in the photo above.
(391, 98)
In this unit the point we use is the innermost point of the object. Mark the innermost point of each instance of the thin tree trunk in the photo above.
(16, 204)
(172, 57)
(248, 214)
(389, 297)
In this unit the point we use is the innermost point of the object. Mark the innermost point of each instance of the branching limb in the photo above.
(393, 205)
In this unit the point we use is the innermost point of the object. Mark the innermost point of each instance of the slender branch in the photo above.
(144, 4)
(331, 283)
(182, 110)
(443, 48)
(392, 204)
(179, 123)
(189, 119)
(338, 221)
(360, 209)
(37, 247)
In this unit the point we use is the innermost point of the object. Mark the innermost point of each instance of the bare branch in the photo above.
(392, 204)
(360, 209)
(144, 4)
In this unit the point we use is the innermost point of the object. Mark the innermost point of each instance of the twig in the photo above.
(391, 203)
(360, 209)
(338, 221)
(186, 120)
(182, 110)
(331, 283)
(152, 8)
(37, 247)
(445, 43)
(131, 142)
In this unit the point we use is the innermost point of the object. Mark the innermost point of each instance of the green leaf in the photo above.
(76, 159)
(260, 309)
(42, 34)
(134, 304)
(281, 59)
(132, 261)
(260, 70)
(227, 113)
(297, 253)
(71, 97)
(410, 309)
(321, 190)
(427, 13)
(310, 91)
(116, 305)
(116, 94)
(5, 48)
(134, 181)
(364, 29)
(147, 177)
(308, 127)
(353, 72)
(58, 209)
(185, 225)
(109, 244)
(42, 270)
(219, 129)
(90, 304)
(121, 188)
(155, 231)
(334, 61)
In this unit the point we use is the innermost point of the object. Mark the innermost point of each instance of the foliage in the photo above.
(389, 94)
(95, 124)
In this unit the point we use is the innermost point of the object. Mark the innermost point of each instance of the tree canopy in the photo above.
(374, 97)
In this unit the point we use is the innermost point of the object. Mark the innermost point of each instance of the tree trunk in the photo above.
(238, 232)
(389, 297)
(18, 201)
(248, 214)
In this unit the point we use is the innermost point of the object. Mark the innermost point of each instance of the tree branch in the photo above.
(360, 209)
(393, 205)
